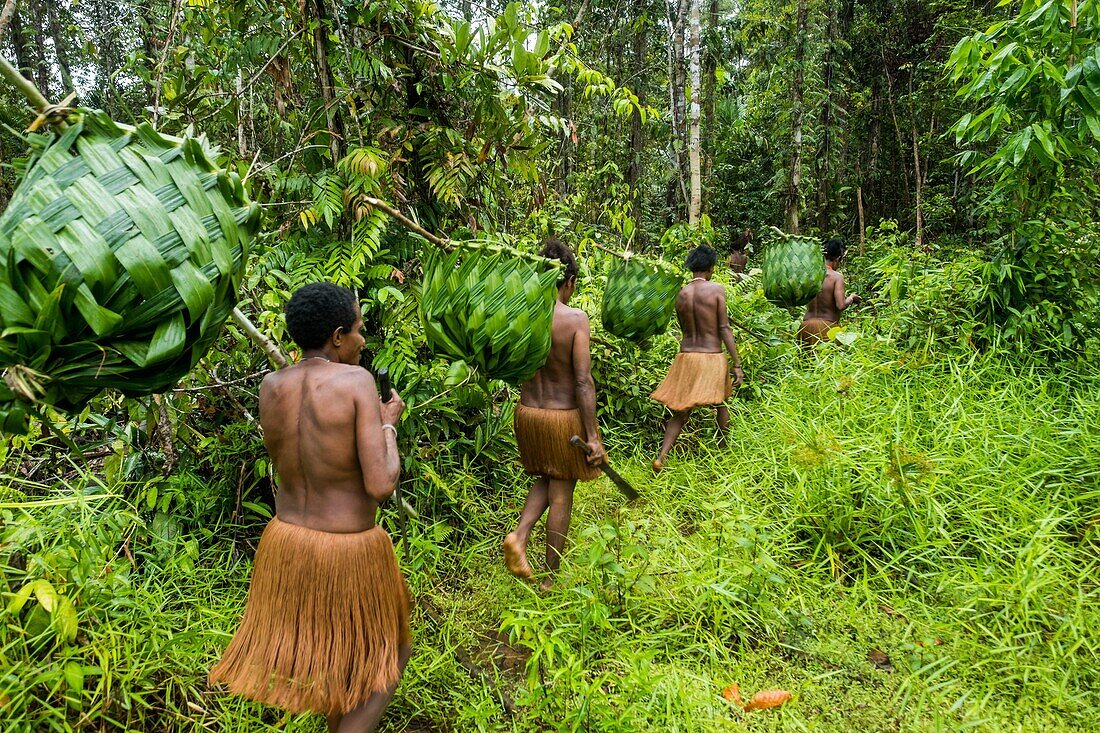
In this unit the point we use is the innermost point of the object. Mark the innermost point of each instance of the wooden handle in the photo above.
(576, 440)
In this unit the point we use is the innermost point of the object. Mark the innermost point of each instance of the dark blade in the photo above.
(620, 483)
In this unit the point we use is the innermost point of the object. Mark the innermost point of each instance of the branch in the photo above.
(406, 222)
(164, 57)
(219, 384)
(277, 357)
(27, 88)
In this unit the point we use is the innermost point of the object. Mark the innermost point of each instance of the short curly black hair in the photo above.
(316, 310)
(555, 249)
(833, 248)
(701, 259)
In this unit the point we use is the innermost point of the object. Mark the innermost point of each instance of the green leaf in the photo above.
(46, 595)
(74, 677)
(15, 605)
(64, 620)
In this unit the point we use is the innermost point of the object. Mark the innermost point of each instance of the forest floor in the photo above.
(904, 544)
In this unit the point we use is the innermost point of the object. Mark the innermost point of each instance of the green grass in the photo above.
(944, 513)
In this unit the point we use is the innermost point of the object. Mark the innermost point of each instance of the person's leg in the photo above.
(515, 543)
(557, 524)
(672, 432)
(365, 717)
(723, 425)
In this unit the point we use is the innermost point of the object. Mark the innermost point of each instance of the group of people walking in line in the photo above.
(326, 624)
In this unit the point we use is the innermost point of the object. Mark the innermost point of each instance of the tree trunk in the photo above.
(694, 42)
(710, 68)
(677, 89)
(324, 74)
(917, 177)
(61, 51)
(563, 104)
(793, 202)
(108, 61)
(19, 46)
(859, 212)
(897, 130)
(42, 65)
(825, 148)
(242, 148)
(637, 133)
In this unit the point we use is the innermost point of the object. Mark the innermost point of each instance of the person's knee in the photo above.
(561, 491)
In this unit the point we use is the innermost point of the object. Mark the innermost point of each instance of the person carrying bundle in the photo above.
(823, 312)
(554, 405)
(326, 625)
(699, 374)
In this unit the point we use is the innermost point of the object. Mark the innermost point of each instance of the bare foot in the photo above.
(515, 558)
(546, 586)
(658, 466)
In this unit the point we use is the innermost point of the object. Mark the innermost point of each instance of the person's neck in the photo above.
(831, 264)
(322, 353)
(701, 276)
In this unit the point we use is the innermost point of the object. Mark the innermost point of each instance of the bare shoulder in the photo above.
(576, 316)
(353, 374)
(273, 380)
(716, 290)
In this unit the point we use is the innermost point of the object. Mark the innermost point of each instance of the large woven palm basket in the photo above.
(121, 255)
(640, 298)
(491, 306)
(793, 270)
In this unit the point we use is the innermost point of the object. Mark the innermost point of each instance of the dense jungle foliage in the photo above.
(903, 531)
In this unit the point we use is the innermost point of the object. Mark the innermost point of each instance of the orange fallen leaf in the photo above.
(767, 699)
(733, 694)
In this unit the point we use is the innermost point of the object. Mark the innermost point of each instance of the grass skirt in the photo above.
(543, 440)
(327, 614)
(814, 330)
(694, 380)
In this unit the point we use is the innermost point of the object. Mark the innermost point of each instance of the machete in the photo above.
(629, 491)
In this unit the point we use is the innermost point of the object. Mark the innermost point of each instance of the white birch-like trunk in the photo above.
(695, 201)
(794, 201)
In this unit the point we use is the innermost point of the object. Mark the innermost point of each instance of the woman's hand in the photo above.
(391, 411)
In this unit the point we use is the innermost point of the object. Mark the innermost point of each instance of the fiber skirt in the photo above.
(814, 330)
(694, 380)
(544, 448)
(326, 617)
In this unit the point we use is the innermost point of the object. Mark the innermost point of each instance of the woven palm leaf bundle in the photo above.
(491, 306)
(121, 254)
(793, 270)
(640, 298)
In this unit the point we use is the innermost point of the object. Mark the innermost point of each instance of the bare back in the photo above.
(554, 385)
(737, 262)
(322, 428)
(701, 311)
(828, 304)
